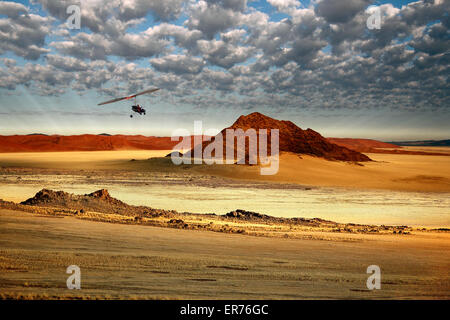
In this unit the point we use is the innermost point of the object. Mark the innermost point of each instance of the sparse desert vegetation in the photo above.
(126, 261)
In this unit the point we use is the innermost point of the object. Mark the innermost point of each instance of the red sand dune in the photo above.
(292, 139)
(85, 142)
(374, 146)
(362, 145)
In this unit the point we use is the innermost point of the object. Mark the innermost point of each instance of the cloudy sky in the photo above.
(313, 62)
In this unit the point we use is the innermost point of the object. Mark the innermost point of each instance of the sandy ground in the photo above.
(136, 261)
(132, 261)
(388, 171)
(77, 159)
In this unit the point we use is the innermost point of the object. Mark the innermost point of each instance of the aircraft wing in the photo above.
(129, 97)
(144, 92)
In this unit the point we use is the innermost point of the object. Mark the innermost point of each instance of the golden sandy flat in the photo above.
(132, 261)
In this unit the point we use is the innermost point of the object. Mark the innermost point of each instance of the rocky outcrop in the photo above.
(98, 201)
(291, 139)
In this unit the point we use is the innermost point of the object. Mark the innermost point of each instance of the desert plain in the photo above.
(393, 212)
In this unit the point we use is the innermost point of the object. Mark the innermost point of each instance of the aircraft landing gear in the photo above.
(131, 116)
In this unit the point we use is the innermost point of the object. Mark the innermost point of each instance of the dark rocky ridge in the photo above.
(101, 201)
(98, 201)
(100, 206)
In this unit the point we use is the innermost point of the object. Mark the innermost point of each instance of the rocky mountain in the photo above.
(291, 139)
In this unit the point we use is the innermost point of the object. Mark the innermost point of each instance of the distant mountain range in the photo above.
(292, 139)
(84, 142)
(424, 143)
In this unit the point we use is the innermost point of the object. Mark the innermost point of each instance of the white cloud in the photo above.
(283, 4)
(315, 55)
(178, 64)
